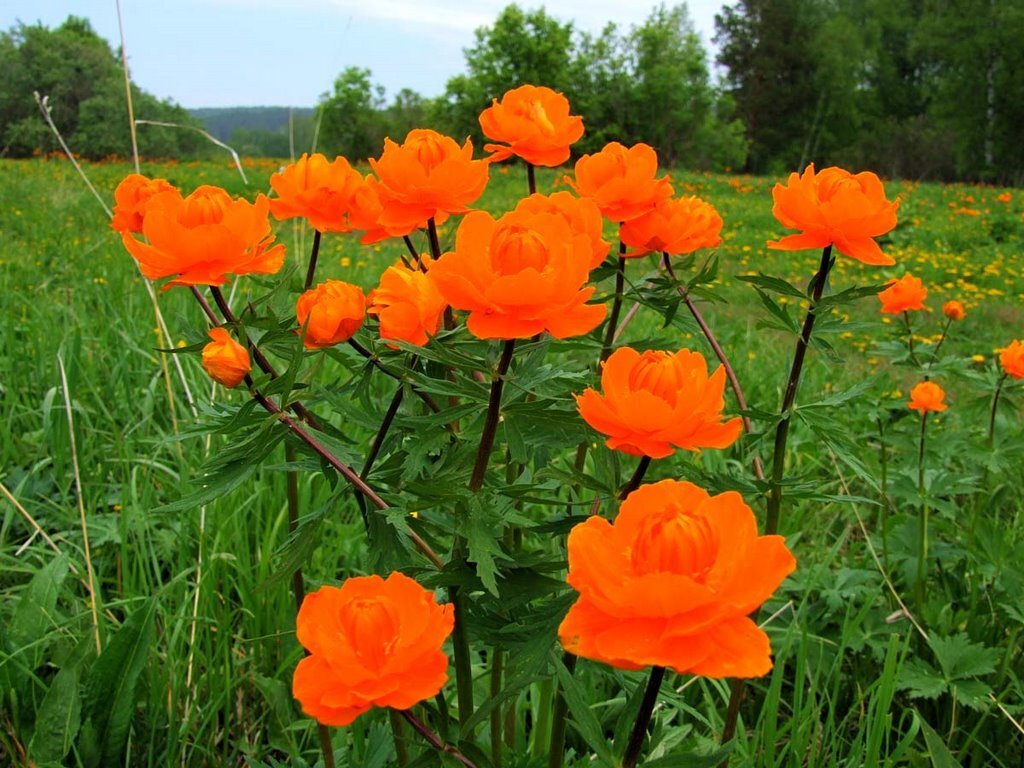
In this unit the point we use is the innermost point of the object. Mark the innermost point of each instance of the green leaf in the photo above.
(35, 615)
(773, 284)
(960, 658)
(584, 720)
(937, 750)
(110, 686)
(484, 547)
(921, 680)
(973, 694)
(691, 759)
(59, 717)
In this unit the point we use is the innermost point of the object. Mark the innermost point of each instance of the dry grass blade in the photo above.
(215, 140)
(128, 89)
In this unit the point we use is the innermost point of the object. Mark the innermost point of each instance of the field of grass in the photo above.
(195, 612)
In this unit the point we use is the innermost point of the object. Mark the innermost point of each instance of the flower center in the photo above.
(831, 184)
(204, 206)
(675, 541)
(658, 373)
(428, 150)
(371, 630)
(516, 248)
(535, 112)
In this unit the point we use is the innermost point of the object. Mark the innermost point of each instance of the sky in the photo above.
(222, 53)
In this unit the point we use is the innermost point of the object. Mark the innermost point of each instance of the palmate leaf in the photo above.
(959, 658)
(921, 680)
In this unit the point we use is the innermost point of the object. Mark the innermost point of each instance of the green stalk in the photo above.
(920, 590)
(992, 414)
(643, 718)
(613, 317)
(311, 269)
(560, 719)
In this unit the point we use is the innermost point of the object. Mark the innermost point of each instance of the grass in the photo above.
(854, 682)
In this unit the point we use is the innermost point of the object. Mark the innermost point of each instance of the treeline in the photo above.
(82, 77)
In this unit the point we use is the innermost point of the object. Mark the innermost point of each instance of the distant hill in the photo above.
(222, 121)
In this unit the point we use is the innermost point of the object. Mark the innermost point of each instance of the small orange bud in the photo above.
(954, 310)
(927, 396)
(903, 295)
(225, 359)
(331, 312)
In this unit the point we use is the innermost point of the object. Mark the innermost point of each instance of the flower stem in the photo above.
(613, 317)
(433, 738)
(910, 337)
(636, 479)
(942, 338)
(992, 414)
(786, 416)
(531, 178)
(412, 251)
(483, 453)
(920, 590)
(398, 737)
(311, 270)
(643, 718)
(497, 668)
(559, 718)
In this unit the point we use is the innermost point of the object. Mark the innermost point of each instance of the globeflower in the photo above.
(535, 124)
(654, 402)
(903, 295)
(202, 238)
(671, 583)
(130, 200)
(622, 181)
(331, 313)
(580, 213)
(676, 226)
(835, 207)
(1012, 359)
(954, 310)
(407, 304)
(519, 275)
(428, 176)
(927, 396)
(372, 642)
(317, 190)
(225, 360)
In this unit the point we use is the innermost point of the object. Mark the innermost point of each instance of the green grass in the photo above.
(853, 684)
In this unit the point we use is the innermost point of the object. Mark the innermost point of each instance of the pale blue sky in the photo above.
(210, 53)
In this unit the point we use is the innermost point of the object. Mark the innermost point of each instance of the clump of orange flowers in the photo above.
(320, 191)
(531, 122)
(520, 275)
(954, 310)
(408, 305)
(330, 313)
(372, 642)
(130, 200)
(1012, 359)
(671, 583)
(903, 295)
(676, 226)
(835, 207)
(621, 180)
(654, 402)
(202, 238)
(225, 360)
(927, 396)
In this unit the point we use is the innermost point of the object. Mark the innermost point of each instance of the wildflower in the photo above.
(927, 396)
(671, 583)
(130, 199)
(835, 207)
(954, 310)
(317, 190)
(906, 294)
(675, 225)
(408, 305)
(1012, 359)
(534, 122)
(655, 402)
(519, 275)
(427, 176)
(621, 180)
(581, 213)
(202, 238)
(331, 313)
(225, 360)
(372, 643)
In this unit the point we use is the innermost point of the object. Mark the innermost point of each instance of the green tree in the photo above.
(351, 123)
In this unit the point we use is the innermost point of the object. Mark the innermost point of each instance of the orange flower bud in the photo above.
(671, 583)
(834, 207)
(580, 213)
(408, 305)
(331, 313)
(656, 402)
(202, 238)
(675, 226)
(1012, 359)
(130, 200)
(954, 310)
(927, 396)
(534, 122)
(427, 176)
(225, 360)
(317, 190)
(621, 181)
(519, 275)
(903, 295)
(372, 643)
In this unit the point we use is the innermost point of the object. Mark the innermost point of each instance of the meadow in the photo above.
(195, 598)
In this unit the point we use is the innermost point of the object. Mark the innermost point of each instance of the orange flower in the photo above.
(225, 360)
(408, 305)
(317, 190)
(1005, 197)
(621, 181)
(202, 238)
(954, 310)
(927, 396)
(519, 275)
(535, 122)
(907, 293)
(671, 581)
(835, 207)
(581, 213)
(427, 176)
(331, 313)
(372, 643)
(130, 199)
(1012, 359)
(675, 226)
(656, 400)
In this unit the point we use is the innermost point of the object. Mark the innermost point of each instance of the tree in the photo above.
(351, 121)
